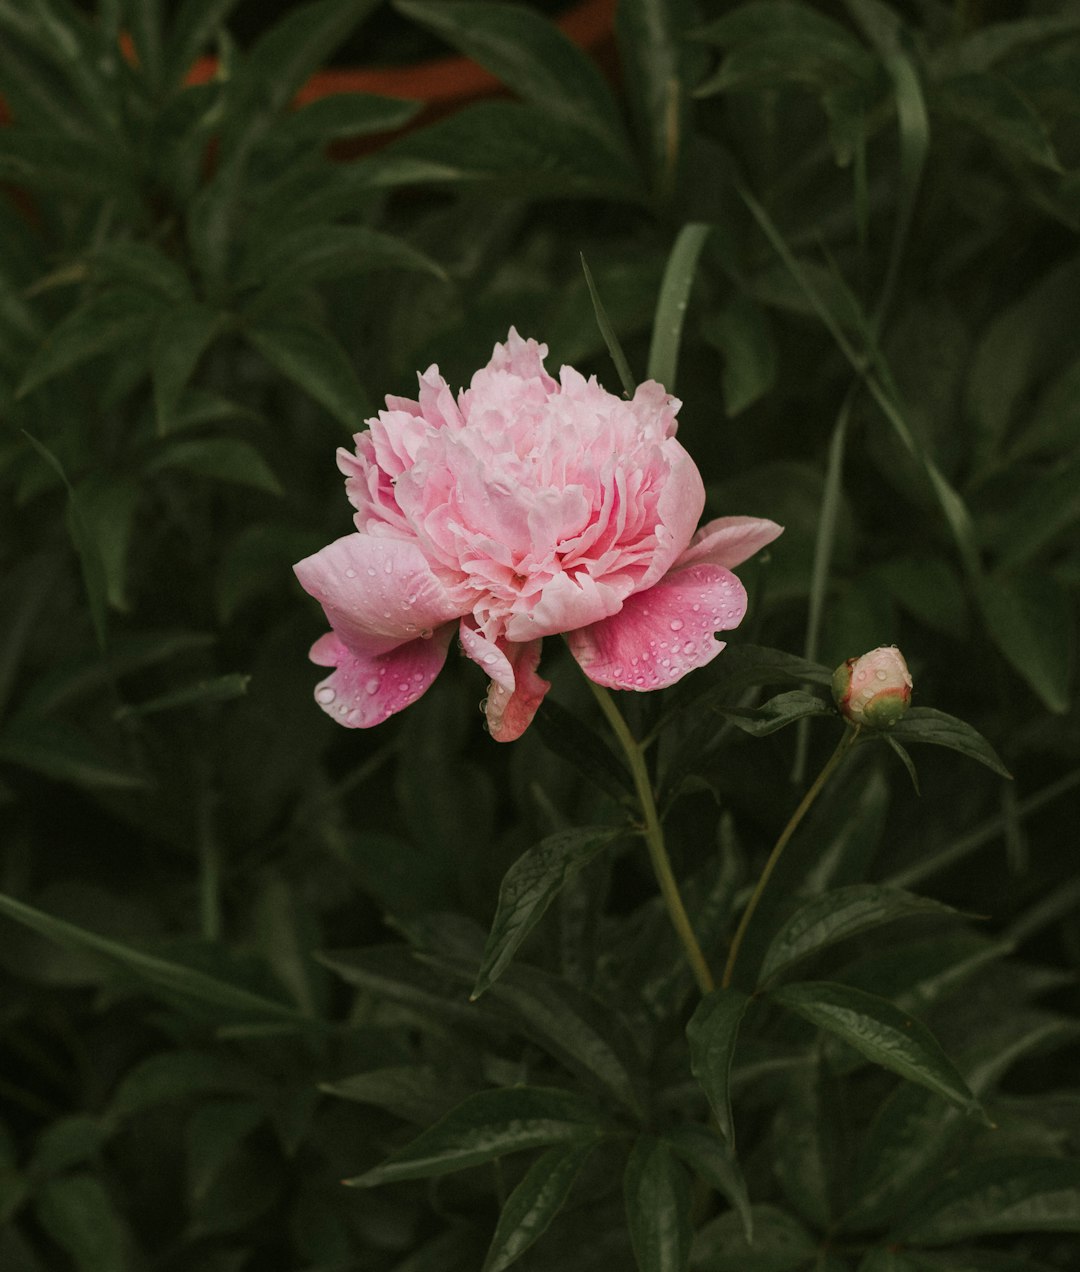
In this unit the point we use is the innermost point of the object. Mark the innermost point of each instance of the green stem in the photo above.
(654, 838)
(209, 868)
(850, 734)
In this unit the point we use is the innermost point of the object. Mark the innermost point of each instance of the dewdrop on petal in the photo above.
(875, 689)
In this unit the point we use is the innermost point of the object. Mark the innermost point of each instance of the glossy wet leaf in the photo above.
(712, 1033)
(880, 1032)
(487, 1126)
(835, 916)
(656, 1189)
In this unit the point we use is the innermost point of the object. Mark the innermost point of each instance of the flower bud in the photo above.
(875, 689)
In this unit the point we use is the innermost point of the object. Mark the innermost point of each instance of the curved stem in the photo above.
(850, 734)
(654, 838)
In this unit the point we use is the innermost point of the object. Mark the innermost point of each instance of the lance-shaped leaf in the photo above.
(709, 1157)
(574, 1027)
(823, 921)
(880, 1032)
(529, 887)
(656, 1189)
(533, 1204)
(490, 1124)
(307, 354)
(1004, 1194)
(712, 1032)
(777, 713)
(159, 973)
(925, 724)
(781, 1244)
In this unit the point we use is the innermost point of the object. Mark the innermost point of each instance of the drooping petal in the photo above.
(378, 591)
(510, 712)
(660, 635)
(364, 690)
(729, 541)
(487, 654)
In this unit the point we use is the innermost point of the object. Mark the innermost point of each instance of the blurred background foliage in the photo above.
(205, 288)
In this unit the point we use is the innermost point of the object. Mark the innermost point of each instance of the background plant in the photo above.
(239, 943)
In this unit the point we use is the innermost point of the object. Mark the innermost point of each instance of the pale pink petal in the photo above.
(660, 635)
(566, 602)
(729, 541)
(679, 509)
(363, 690)
(377, 591)
(509, 713)
(487, 654)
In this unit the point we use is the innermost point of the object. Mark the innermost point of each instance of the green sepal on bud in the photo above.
(875, 689)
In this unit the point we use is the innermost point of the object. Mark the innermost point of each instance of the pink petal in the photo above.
(510, 712)
(729, 541)
(679, 509)
(487, 654)
(363, 690)
(660, 635)
(378, 592)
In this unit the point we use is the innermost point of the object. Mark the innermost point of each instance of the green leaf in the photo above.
(530, 55)
(813, 59)
(67, 1142)
(116, 319)
(994, 107)
(160, 974)
(183, 334)
(533, 1204)
(314, 253)
(307, 354)
(60, 751)
(1003, 1194)
(657, 1194)
(880, 1032)
(489, 1124)
(521, 147)
(33, 158)
(79, 1215)
(529, 887)
(219, 458)
(573, 1026)
(927, 724)
(672, 302)
(607, 331)
(712, 1160)
(90, 556)
(107, 508)
(297, 44)
(582, 747)
(1030, 617)
(777, 713)
(758, 20)
(213, 1133)
(416, 1093)
(836, 916)
(653, 57)
(201, 692)
(741, 331)
(194, 26)
(712, 1033)
(393, 972)
(343, 115)
(173, 1076)
(781, 1244)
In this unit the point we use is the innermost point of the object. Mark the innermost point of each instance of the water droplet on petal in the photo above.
(388, 566)
(426, 634)
(371, 571)
(696, 608)
(350, 573)
(489, 659)
(325, 695)
(372, 685)
(688, 648)
(403, 686)
(676, 624)
(881, 674)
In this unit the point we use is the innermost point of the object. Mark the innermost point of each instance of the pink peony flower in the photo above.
(526, 507)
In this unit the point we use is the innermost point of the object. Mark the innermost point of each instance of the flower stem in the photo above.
(833, 762)
(654, 838)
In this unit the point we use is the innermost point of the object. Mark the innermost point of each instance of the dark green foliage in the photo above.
(248, 955)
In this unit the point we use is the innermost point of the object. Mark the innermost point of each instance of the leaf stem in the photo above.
(654, 839)
(833, 762)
